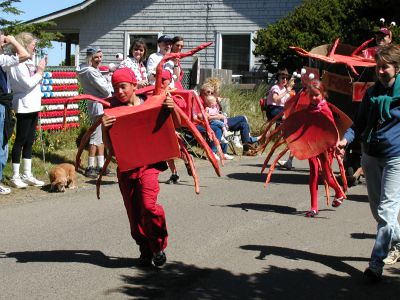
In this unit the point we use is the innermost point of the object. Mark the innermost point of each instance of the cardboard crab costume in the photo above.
(309, 132)
(154, 136)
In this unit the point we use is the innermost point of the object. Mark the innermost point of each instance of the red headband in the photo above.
(123, 75)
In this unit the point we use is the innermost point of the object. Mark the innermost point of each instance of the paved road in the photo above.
(236, 240)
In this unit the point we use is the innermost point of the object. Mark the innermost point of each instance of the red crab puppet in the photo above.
(152, 127)
(307, 132)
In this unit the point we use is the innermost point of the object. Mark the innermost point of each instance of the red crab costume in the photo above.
(310, 132)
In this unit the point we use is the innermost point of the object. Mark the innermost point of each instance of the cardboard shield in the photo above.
(142, 135)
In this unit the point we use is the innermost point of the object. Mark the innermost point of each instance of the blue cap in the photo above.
(164, 38)
(92, 50)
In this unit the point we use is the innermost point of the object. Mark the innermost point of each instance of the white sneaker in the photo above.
(18, 183)
(30, 180)
(224, 140)
(393, 256)
(228, 133)
(236, 142)
(287, 164)
(4, 190)
(228, 157)
(216, 156)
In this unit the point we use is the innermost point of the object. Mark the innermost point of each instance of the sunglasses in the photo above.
(209, 92)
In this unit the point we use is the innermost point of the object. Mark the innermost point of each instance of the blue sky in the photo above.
(36, 8)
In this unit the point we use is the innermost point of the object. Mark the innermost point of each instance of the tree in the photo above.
(317, 22)
(40, 30)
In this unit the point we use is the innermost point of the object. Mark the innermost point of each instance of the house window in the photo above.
(235, 52)
(150, 39)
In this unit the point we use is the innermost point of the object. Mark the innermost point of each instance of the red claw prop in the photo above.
(351, 61)
(159, 129)
(170, 56)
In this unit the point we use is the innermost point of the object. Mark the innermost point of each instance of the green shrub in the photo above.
(246, 102)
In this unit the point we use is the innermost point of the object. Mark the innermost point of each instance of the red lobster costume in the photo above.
(143, 137)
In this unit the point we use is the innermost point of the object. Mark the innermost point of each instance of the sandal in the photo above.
(311, 214)
(337, 201)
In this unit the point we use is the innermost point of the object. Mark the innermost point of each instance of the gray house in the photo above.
(229, 24)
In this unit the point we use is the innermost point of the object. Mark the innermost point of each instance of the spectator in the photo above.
(177, 46)
(164, 46)
(276, 99)
(6, 124)
(134, 61)
(25, 83)
(94, 83)
(237, 123)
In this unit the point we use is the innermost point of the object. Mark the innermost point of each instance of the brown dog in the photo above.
(62, 176)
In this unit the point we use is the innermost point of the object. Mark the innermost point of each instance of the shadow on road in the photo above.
(357, 198)
(280, 209)
(362, 236)
(182, 281)
(93, 257)
(287, 178)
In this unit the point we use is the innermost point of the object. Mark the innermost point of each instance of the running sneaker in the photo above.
(393, 256)
(159, 258)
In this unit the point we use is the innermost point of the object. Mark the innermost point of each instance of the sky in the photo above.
(37, 8)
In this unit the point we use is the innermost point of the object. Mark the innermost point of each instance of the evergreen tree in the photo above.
(317, 22)
(40, 30)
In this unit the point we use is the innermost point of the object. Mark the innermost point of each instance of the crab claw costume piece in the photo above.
(145, 134)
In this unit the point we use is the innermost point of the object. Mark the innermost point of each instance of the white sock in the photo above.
(27, 166)
(15, 168)
(91, 161)
(100, 161)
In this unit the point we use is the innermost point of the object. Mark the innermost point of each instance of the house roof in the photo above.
(62, 12)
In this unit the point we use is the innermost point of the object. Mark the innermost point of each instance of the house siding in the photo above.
(105, 22)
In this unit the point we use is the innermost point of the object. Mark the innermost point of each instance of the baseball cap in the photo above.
(164, 38)
(92, 50)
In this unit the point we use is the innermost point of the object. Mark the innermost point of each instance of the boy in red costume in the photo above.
(139, 187)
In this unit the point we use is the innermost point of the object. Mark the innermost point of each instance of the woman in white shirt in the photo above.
(278, 94)
(25, 84)
(134, 61)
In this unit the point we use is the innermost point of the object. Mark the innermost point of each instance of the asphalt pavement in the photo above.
(236, 240)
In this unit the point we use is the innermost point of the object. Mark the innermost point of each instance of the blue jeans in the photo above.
(218, 123)
(218, 133)
(239, 123)
(383, 184)
(3, 150)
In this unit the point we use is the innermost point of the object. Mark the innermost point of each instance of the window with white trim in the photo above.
(236, 52)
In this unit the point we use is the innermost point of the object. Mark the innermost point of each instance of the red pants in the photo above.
(313, 182)
(146, 217)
